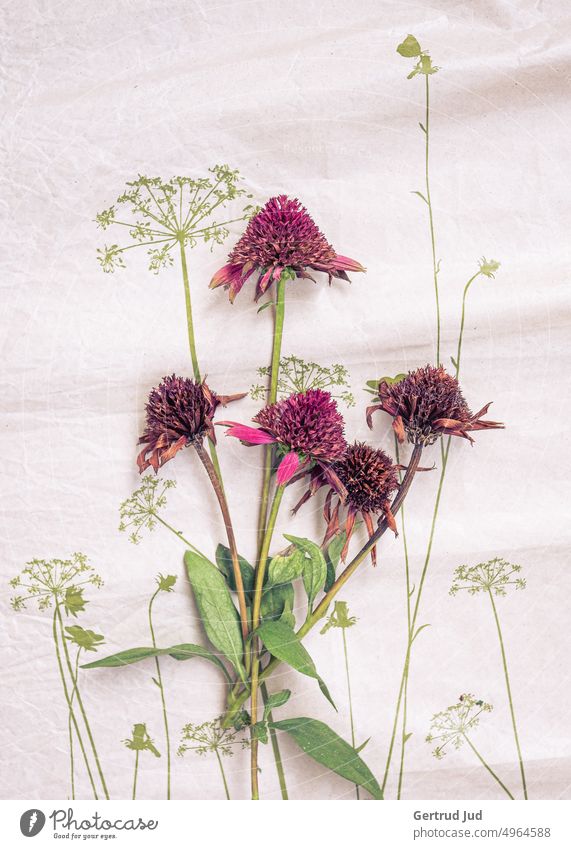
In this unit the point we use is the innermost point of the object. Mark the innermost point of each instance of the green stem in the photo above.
(279, 317)
(275, 746)
(431, 221)
(71, 755)
(256, 605)
(179, 536)
(489, 768)
(353, 743)
(189, 319)
(222, 773)
(408, 620)
(80, 703)
(69, 722)
(135, 775)
(509, 689)
(69, 703)
(162, 691)
(462, 319)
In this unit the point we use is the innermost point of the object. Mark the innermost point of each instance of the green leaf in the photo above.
(453, 361)
(275, 600)
(265, 306)
(372, 384)
(362, 746)
(420, 196)
(407, 737)
(282, 642)
(88, 640)
(260, 731)
(285, 568)
(224, 563)
(74, 602)
(219, 616)
(327, 748)
(314, 567)
(275, 700)
(332, 557)
(409, 47)
(422, 127)
(418, 630)
(185, 651)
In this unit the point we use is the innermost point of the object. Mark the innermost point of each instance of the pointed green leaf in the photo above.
(275, 600)
(326, 747)
(420, 196)
(275, 700)
(362, 746)
(285, 568)
(409, 47)
(282, 642)
(332, 557)
(407, 737)
(314, 567)
(185, 651)
(219, 616)
(264, 306)
(418, 630)
(224, 563)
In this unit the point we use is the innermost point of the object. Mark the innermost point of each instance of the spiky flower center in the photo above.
(368, 475)
(307, 422)
(283, 234)
(178, 407)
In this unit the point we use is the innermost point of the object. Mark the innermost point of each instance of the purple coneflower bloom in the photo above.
(179, 413)
(427, 403)
(307, 428)
(369, 478)
(282, 236)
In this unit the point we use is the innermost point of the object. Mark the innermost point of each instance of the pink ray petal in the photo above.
(287, 468)
(252, 435)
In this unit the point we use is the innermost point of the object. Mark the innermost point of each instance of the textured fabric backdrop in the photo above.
(311, 99)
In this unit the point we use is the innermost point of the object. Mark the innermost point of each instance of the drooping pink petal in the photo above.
(225, 275)
(251, 435)
(287, 468)
(345, 263)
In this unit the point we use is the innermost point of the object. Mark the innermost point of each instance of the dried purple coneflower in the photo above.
(426, 404)
(307, 427)
(179, 413)
(369, 478)
(281, 237)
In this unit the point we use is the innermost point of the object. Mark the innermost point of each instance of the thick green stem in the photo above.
(275, 746)
(279, 316)
(135, 775)
(510, 699)
(489, 768)
(69, 703)
(81, 706)
(256, 605)
(219, 492)
(346, 654)
(162, 691)
(223, 774)
(431, 220)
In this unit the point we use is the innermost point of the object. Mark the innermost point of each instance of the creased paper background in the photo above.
(311, 99)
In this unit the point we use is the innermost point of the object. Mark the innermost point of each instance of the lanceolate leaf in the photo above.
(329, 749)
(332, 557)
(275, 700)
(185, 651)
(219, 616)
(224, 563)
(282, 641)
(275, 600)
(314, 567)
(285, 568)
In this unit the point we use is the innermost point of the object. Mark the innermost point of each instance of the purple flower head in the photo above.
(179, 413)
(281, 237)
(427, 403)
(307, 427)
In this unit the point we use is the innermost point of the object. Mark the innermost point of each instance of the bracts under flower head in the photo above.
(426, 404)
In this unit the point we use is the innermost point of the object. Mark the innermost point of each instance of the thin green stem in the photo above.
(408, 620)
(179, 536)
(222, 773)
(162, 691)
(69, 722)
(69, 703)
(462, 320)
(279, 317)
(189, 319)
(275, 746)
(81, 705)
(510, 699)
(431, 220)
(135, 775)
(348, 676)
(256, 605)
(487, 766)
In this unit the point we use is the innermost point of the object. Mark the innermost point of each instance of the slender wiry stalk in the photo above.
(348, 677)
(275, 747)
(135, 775)
(80, 703)
(69, 703)
(179, 536)
(219, 491)
(256, 605)
(404, 737)
(69, 723)
(487, 766)
(222, 773)
(236, 702)
(431, 218)
(509, 690)
(162, 691)
(462, 320)
(279, 317)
